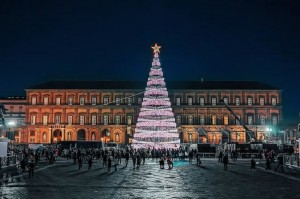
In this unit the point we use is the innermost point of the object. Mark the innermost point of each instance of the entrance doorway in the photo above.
(81, 135)
(57, 134)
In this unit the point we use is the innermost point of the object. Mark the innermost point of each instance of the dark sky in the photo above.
(110, 40)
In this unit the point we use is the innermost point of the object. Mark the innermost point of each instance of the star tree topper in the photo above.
(156, 48)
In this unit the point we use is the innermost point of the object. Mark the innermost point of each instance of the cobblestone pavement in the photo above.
(64, 180)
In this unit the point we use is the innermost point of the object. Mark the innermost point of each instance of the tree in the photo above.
(156, 127)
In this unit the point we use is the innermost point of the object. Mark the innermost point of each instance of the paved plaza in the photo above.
(64, 180)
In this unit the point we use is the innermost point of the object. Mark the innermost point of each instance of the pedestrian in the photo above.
(79, 162)
(126, 158)
(90, 162)
(220, 156)
(104, 160)
(252, 164)
(134, 160)
(138, 160)
(162, 163)
(170, 163)
(225, 160)
(108, 164)
(268, 164)
(198, 159)
(280, 164)
(31, 169)
(116, 162)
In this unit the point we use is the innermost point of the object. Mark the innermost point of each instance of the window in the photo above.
(274, 101)
(178, 101)
(129, 100)
(250, 119)
(202, 101)
(94, 119)
(202, 119)
(70, 119)
(105, 100)
(58, 101)
(262, 120)
(81, 101)
(118, 100)
(93, 137)
(81, 122)
(237, 101)
(105, 119)
(190, 119)
(249, 101)
(214, 120)
(45, 119)
(129, 119)
(32, 120)
(225, 120)
(213, 101)
(190, 101)
(94, 100)
(261, 101)
(140, 100)
(178, 119)
(117, 138)
(44, 137)
(274, 120)
(46, 100)
(70, 100)
(69, 136)
(32, 133)
(225, 99)
(57, 119)
(33, 100)
(117, 119)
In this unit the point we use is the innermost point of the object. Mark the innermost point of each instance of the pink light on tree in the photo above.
(156, 127)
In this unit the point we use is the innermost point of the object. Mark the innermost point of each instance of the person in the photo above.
(162, 163)
(116, 162)
(134, 160)
(90, 162)
(31, 169)
(198, 159)
(190, 156)
(108, 164)
(23, 165)
(79, 162)
(220, 156)
(268, 164)
(280, 164)
(126, 158)
(225, 160)
(170, 163)
(252, 164)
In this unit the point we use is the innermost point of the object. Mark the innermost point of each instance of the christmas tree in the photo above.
(156, 127)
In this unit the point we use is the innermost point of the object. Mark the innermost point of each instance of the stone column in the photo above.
(50, 135)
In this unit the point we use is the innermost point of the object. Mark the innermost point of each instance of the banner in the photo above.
(3, 149)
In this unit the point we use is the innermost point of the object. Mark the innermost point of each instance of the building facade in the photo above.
(14, 117)
(108, 110)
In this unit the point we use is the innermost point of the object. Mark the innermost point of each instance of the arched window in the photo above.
(117, 138)
(69, 136)
(262, 120)
(44, 137)
(274, 120)
(93, 136)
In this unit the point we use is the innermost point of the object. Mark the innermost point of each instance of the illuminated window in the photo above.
(81, 120)
(262, 101)
(105, 100)
(94, 119)
(225, 99)
(81, 101)
(118, 100)
(202, 119)
(213, 101)
(69, 137)
(250, 119)
(57, 119)
(46, 100)
(262, 120)
(249, 101)
(214, 120)
(32, 120)
(190, 101)
(226, 120)
(202, 101)
(117, 138)
(58, 101)
(93, 137)
(274, 101)
(129, 119)
(70, 100)
(70, 119)
(117, 119)
(94, 100)
(274, 120)
(45, 119)
(190, 119)
(33, 100)
(178, 119)
(129, 100)
(178, 101)
(237, 101)
(105, 119)
(44, 137)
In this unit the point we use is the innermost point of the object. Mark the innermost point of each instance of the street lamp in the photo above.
(269, 130)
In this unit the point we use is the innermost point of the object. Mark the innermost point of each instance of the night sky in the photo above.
(111, 40)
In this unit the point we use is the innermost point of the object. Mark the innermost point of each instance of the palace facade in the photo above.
(108, 110)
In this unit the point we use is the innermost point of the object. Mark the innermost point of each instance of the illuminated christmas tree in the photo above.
(156, 127)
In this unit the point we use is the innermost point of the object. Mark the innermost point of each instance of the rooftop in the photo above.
(180, 85)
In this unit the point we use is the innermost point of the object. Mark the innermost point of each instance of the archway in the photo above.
(105, 136)
(93, 136)
(81, 135)
(57, 134)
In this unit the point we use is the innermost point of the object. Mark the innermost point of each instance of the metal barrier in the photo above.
(10, 160)
(292, 160)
